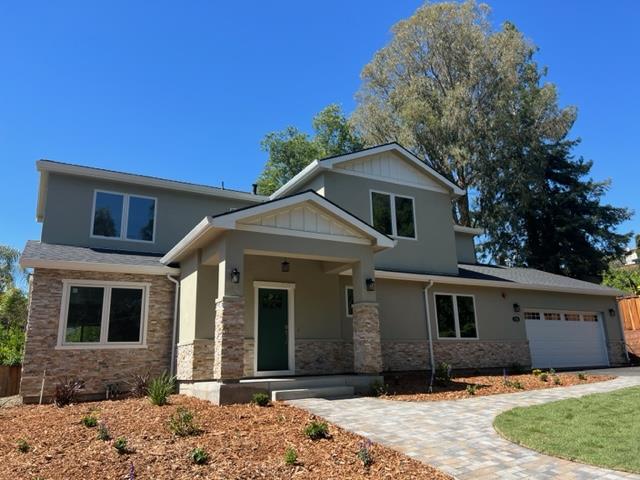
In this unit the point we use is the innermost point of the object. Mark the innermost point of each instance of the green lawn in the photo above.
(601, 429)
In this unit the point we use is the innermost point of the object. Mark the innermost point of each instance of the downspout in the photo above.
(175, 324)
(430, 339)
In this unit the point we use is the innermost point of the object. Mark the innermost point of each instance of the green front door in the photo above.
(273, 330)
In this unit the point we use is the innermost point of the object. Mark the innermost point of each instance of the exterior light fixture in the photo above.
(516, 307)
(235, 276)
(371, 285)
(515, 318)
(284, 266)
(612, 312)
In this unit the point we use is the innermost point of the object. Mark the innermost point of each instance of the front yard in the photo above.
(601, 429)
(242, 441)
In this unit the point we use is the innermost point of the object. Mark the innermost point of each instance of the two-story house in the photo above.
(354, 267)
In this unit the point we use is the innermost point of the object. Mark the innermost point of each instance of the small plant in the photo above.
(443, 373)
(160, 388)
(364, 454)
(536, 372)
(121, 445)
(261, 399)
(290, 456)
(472, 389)
(139, 385)
(132, 472)
(103, 432)
(181, 423)
(316, 430)
(515, 368)
(543, 377)
(552, 371)
(514, 384)
(582, 377)
(556, 380)
(378, 388)
(67, 391)
(199, 456)
(89, 421)
(23, 446)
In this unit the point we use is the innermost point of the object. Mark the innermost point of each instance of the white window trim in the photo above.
(104, 322)
(346, 300)
(124, 221)
(394, 226)
(456, 319)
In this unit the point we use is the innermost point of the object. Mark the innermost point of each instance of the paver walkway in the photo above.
(457, 436)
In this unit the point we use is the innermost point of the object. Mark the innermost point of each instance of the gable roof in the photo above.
(350, 228)
(331, 163)
(50, 166)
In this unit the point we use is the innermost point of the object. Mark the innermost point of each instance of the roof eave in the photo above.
(98, 267)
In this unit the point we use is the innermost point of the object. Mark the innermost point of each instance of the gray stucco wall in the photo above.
(70, 202)
(435, 247)
(465, 247)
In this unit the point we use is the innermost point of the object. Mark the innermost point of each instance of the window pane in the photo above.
(125, 315)
(444, 312)
(466, 317)
(532, 315)
(107, 218)
(381, 207)
(551, 316)
(140, 221)
(84, 314)
(590, 317)
(572, 317)
(349, 301)
(404, 217)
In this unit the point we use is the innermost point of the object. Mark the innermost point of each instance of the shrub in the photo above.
(543, 377)
(261, 399)
(552, 371)
(556, 380)
(139, 385)
(199, 456)
(160, 388)
(290, 456)
(316, 430)
(536, 372)
(66, 391)
(472, 389)
(582, 376)
(181, 423)
(378, 388)
(364, 454)
(514, 384)
(121, 445)
(443, 373)
(89, 421)
(23, 446)
(103, 432)
(515, 368)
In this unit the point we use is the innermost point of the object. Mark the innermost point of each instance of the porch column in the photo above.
(367, 354)
(228, 364)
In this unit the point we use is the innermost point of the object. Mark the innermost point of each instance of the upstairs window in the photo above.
(456, 316)
(393, 214)
(124, 217)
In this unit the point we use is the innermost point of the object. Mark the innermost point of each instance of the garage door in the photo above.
(565, 339)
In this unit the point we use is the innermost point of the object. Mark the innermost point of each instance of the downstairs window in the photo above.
(456, 316)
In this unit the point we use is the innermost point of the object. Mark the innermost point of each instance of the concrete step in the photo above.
(323, 392)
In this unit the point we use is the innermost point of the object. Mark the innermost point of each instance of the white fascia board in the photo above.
(49, 166)
(183, 245)
(468, 230)
(302, 175)
(99, 267)
(418, 277)
(42, 195)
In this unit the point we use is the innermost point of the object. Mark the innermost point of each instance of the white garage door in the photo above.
(565, 339)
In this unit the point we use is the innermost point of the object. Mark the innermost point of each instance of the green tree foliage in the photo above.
(290, 150)
(623, 278)
(13, 308)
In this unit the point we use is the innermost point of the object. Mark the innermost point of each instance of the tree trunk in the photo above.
(462, 210)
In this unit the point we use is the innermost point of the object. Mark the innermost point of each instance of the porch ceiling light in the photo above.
(371, 285)
(285, 266)
(235, 276)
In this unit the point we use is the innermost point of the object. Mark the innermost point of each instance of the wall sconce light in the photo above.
(515, 318)
(371, 285)
(516, 307)
(235, 276)
(612, 312)
(285, 266)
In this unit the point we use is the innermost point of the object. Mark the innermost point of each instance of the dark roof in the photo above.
(35, 251)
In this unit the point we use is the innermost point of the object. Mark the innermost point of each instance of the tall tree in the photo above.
(440, 85)
(290, 150)
(13, 308)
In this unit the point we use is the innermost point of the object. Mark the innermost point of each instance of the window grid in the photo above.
(569, 316)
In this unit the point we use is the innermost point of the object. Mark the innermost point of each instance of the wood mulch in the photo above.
(243, 441)
(415, 388)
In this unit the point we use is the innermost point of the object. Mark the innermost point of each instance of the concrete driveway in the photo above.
(458, 437)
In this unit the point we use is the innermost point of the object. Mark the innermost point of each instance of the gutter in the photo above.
(172, 366)
(430, 339)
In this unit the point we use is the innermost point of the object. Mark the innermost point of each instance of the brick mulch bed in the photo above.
(243, 441)
(415, 389)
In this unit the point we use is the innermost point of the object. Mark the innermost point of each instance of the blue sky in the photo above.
(187, 90)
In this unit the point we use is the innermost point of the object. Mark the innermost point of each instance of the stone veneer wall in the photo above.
(195, 360)
(367, 353)
(229, 339)
(407, 355)
(97, 367)
(617, 353)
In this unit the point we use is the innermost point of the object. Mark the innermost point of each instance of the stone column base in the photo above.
(367, 354)
(228, 361)
(195, 360)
